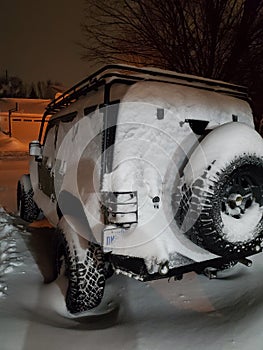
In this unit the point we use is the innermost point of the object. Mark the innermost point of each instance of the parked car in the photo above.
(148, 173)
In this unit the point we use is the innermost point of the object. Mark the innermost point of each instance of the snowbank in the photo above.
(11, 147)
(195, 313)
(9, 257)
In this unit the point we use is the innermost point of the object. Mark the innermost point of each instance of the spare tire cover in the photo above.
(220, 202)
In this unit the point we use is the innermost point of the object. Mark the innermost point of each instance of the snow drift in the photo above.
(195, 313)
(10, 146)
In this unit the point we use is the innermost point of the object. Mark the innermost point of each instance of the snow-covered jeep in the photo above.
(148, 173)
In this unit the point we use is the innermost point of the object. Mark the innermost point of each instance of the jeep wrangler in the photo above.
(148, 173)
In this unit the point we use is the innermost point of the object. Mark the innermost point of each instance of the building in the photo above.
(21, 117)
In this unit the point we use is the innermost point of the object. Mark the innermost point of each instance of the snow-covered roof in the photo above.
(156, 74)
(125, 73)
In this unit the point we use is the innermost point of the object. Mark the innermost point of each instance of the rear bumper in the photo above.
(136, 267)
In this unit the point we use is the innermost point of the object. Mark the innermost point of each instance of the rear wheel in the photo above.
(84, 264)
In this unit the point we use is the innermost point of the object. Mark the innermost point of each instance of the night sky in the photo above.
(38, 40)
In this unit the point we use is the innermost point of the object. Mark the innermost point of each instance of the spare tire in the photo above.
(221, 199)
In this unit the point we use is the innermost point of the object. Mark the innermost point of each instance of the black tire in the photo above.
(207, 204)
(27, 208)
(84, 263)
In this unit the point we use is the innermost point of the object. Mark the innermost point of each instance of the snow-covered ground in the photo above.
(11, 147)
(195, 313)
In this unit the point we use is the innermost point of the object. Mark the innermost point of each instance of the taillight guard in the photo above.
(120, 208)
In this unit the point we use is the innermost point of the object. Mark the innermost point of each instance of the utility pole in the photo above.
(10, 111)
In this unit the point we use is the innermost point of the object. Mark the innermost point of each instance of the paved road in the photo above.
(10, 172)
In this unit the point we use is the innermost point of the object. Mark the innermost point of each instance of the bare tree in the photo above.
(214, 38)
(221, 39)
(12, 87)
(48, 89)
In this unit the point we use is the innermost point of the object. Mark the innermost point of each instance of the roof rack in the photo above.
(135, 74)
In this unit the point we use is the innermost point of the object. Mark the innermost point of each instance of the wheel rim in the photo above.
(241, 206)
(239, 196)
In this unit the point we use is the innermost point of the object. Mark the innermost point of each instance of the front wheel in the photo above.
(26, 206)
(84, 263)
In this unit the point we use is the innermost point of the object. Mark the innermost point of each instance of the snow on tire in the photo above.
(224, 204)
(84, 268)
(27, 208)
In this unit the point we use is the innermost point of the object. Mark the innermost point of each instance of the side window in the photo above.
(65, 124)
(55, 132)
(46, 181)
(90, 109)
(50, 142)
